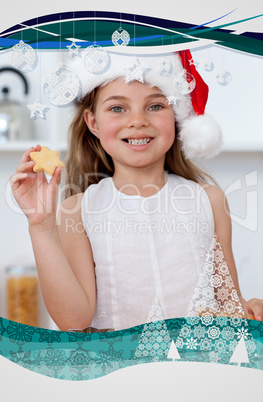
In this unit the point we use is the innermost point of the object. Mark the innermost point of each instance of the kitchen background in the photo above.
(235, 80)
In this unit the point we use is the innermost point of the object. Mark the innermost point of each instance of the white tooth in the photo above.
(139, 142)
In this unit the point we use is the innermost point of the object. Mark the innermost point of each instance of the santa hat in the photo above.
(174, 74)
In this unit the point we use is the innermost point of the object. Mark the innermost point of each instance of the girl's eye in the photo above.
(155, 107)
(117, 109)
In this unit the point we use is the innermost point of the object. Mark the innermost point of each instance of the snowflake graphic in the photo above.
(223, 269)
(25, 359)
(242, 332)
(179, 343)
(109, 360)
(218, 255)
(223, 294)
(184, 331)
(221, 321)
(110, 337)
(228, 333)
(155, 346)
(215, 306)
(191, 343)
(51, 359)
(216, 281)
(205, 344)
(208, 293)
(199, 332)
(20, 332)
(193, 320)
(229, 307)
(79, 358)
(234, 295)
(203, 280)
(229, 282)
(49, 336)
(159, 338)
(220, 345)
(207, 319)
(213, 332)
(232, 345)
(236, 321)
(251, 346)
(209, 268)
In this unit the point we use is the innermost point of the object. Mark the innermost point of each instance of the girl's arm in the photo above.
(65, 268)
(223, 229)
(63, 257)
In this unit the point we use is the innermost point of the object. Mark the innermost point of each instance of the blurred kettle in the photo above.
(15, 122)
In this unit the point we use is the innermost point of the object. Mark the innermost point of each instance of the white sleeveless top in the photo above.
(146, 249)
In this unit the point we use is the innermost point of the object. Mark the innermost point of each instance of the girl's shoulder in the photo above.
(219, 205)
(71, 205)
(216, 196)
(73, 200)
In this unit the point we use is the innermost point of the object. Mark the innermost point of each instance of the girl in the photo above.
(138, 212)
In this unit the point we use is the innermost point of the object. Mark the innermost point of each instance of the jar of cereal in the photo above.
(22, 295)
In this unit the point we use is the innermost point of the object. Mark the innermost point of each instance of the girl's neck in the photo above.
(140, 183)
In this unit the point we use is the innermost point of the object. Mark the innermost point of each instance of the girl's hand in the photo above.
(36, 197)
(255, 308)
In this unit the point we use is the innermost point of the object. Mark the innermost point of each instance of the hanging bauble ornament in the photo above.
(223, 77)
(192, 62)
(184, 83)
(164, 67)
(61, 86)
(120, 37)
(24, 57)
(136, 72)
(208, 65)
(96, 59)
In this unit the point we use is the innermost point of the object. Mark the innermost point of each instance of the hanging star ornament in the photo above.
(136, 72)
(74, 49)
(173, 100)
(38, 110)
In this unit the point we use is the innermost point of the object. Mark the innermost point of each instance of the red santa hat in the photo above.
(174, 74)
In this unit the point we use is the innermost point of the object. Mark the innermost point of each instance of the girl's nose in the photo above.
(137, 120)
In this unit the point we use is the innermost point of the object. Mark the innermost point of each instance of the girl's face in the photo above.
(134, 123)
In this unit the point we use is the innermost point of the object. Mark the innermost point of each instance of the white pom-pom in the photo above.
(201, 137)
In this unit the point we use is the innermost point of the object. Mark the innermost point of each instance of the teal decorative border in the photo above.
(81, 356)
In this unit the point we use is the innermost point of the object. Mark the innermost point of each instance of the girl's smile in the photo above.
(134, 122)
(138, 144)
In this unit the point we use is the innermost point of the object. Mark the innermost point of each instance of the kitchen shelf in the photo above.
(243, 147)
(20, 146)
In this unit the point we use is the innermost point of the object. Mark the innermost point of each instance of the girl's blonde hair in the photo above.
(87, 162)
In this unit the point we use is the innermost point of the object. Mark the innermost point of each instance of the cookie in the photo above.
(46, 160)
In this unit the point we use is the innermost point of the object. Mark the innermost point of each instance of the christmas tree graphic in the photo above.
(215, 292)
(155, 340)
(173, 352)
(240, 354)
